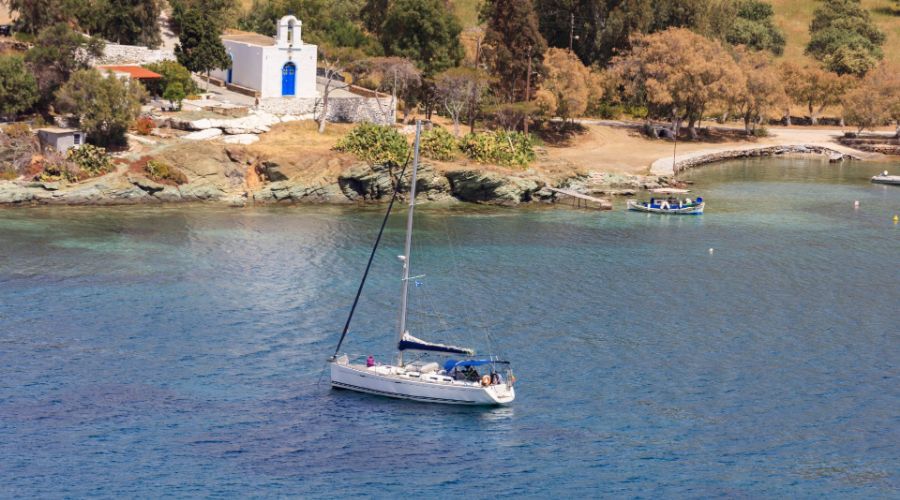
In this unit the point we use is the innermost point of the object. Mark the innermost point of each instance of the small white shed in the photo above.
(60, 139)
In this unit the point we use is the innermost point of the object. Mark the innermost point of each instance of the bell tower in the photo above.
(289, 30)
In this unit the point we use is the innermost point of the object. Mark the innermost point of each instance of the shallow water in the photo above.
(154, 351)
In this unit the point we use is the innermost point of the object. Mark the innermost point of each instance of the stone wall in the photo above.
(133, 54)
(833, 155)
(340, 109)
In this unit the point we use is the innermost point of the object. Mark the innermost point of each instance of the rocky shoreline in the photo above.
(232, 177)
(360, 184)
(245, 182)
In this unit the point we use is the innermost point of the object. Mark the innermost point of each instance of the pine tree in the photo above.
(424, 31)
(132, 22)
(58, 52)
(200, 46)
(32, 16)
(18, 88)
(844, 38)
(513, 44)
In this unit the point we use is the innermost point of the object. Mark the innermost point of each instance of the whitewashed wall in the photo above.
(304, 57)
(259, 68)
(245, 65)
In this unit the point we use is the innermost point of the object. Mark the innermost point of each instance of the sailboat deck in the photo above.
(395, 372)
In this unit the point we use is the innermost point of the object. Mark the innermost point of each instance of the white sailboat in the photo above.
(453, 381)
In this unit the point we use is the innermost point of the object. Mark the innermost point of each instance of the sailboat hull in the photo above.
(398, 383)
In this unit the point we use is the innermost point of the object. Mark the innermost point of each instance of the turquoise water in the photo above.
(176, 351)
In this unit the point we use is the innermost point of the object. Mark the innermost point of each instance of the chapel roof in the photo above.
(248, 38)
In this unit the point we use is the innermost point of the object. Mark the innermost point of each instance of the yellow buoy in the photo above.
(896, 219)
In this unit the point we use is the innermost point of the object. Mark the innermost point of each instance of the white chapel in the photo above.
(283, 66)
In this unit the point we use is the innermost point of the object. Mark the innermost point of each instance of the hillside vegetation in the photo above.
(794, 16)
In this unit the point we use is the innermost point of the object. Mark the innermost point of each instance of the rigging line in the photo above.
(428, 298)
(362, 283)
(457, 271)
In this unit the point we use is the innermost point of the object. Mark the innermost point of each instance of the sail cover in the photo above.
(410, 343)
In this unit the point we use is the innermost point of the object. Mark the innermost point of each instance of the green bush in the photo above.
(606, 111)
(761, 131)
(499, 146)
(90, 159)
(637, 112)
(438, 144)
(160, 171)
(56, 168)
(172, 73)
(375, 144)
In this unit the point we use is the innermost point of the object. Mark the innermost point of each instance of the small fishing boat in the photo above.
(884, 178)
(668, 203)
(450, 381)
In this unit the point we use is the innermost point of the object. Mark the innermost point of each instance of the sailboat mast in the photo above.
(404, 296)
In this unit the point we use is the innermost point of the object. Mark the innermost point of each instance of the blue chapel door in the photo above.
(288, 79)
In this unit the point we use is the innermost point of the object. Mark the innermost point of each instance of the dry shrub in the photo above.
(163, 172)
(144, 125)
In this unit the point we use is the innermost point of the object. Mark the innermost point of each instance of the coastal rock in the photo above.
(492, 187)
(362, 182)
(429, 183)
(14, 194)
(285, 191)
(208, 161)
(168, 194)
(200, 191)
(272, 171)
(146, 184)
(613, 184)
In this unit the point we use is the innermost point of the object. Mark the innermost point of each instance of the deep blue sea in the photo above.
(177, 351)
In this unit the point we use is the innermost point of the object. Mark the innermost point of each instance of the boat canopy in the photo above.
(669, 191)
(450, 364)
(410, 343)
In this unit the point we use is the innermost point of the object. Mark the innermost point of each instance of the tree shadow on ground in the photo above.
(559, 133)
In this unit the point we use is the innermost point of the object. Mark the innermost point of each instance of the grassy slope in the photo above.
(793, 16)
(467, 11)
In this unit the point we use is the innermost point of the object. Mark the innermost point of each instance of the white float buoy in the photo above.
(856, 204)
(712, 251)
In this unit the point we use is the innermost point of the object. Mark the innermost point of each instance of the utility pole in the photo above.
(528, 88)
(571, 29)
